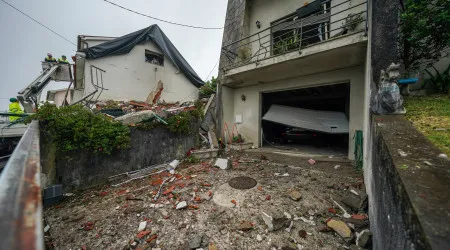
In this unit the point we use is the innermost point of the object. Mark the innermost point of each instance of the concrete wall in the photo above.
(80, 170)
(340, 9)
(129, 77)
(412, 198)
(251, 108)
(59, 97)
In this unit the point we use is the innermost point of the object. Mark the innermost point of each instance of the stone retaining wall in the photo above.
(410, 198)
(80, 169)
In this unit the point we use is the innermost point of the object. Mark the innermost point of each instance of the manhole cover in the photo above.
(242, 182)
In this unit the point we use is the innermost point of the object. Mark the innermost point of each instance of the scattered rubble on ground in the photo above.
(307, 209)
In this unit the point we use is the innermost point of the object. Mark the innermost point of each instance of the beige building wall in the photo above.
(129, 77)
(250, 109)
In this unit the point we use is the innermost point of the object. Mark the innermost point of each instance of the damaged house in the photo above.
(294, 72)
(142, 66)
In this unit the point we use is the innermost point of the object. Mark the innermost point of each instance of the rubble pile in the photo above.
(194, 207)
(126, 107)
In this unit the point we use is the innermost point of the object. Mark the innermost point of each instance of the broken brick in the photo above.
(332, 210)
(260, 188)
(359, 216)
(152, 238)
(169, 190)
(141, 234)
(157, 182)
(103, 193)
(268, 197)
(88, 226)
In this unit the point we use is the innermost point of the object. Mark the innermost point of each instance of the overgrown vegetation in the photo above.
(424, 32)
(77, 128)
(431, 116)
(179, 123)
(209, 88)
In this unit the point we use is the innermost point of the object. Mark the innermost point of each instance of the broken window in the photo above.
(154, 58)
(290, 32)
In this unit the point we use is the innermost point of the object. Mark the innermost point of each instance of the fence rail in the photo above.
(316, 22)
(20, 195)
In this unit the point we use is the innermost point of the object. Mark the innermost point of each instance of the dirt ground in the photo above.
(217, 216)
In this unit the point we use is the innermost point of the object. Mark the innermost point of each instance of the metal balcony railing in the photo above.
(20, 195)
(315, 22)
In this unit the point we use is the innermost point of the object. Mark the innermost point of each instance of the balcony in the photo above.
(323, 31)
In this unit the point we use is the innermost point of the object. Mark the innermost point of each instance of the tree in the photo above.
(209, 88)
(424, 32)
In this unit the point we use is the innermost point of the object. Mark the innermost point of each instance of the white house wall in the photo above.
(129, 77)
(250, 109)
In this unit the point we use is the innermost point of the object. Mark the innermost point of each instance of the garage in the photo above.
(311, 121)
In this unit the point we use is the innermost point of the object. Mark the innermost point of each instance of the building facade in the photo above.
(303, 54)
(139, 74)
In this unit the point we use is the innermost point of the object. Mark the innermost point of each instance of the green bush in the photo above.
(181, 123)
(78, 128)
(209, 88)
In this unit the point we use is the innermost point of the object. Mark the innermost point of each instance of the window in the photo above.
(289, 32)
(154, 58)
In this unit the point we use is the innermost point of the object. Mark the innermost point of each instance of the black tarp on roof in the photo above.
(123, 45)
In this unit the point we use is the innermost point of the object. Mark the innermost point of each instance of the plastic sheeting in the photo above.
(323, 121)
(123, 45)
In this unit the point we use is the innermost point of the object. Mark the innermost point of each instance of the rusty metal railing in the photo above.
(20, 195)
(333, 18)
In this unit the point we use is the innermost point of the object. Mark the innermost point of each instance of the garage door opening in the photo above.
(310, 121)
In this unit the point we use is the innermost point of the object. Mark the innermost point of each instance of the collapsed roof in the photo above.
(123, 45)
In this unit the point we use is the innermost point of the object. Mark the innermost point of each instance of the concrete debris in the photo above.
(283, 175)
(402, 153)
(354, 202)
(295, 195)
(287, 215)
(364, 238)
(137, 117)
(274, 220)
(142, 226)
(245, 226)
(222, 163)
(259, 238)
(198, 241)
(181, 205)
(340, 227)
(353, 191)
(179, 220)
(443, 156)
(428, 163)
(337, 166)
(346, 215)
(46, 228)
(312, 223)
(288, 229)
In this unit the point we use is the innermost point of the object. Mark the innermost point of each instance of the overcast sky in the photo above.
(24, 43)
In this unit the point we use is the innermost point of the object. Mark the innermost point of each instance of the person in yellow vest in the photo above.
(50, 58)
(14, 107)
(63, 60)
